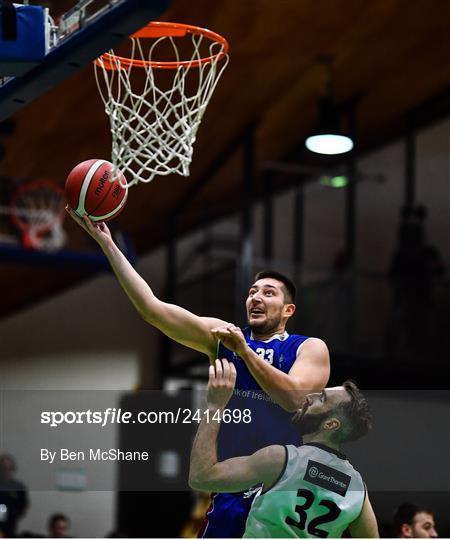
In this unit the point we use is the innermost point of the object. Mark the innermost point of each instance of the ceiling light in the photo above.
(328, 143)
(328, 138)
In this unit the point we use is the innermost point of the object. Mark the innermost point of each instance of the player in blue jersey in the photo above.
(275, 370)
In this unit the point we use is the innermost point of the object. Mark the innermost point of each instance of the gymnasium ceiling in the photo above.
(391, 56)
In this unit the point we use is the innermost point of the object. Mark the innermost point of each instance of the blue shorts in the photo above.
(227, 516)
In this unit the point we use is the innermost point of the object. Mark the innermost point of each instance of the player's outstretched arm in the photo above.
(235, 474)
(174, 321)
(365, 525)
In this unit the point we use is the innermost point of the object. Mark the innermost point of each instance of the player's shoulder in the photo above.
(296, 338)
(313, 345)
(326, 456)
(312, 341)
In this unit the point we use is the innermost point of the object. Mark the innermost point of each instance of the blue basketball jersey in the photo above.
(280, 351)
(269, 424)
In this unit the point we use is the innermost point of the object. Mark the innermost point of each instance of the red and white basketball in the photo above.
(90, 192)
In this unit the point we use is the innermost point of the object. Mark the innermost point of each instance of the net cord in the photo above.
(39, 214)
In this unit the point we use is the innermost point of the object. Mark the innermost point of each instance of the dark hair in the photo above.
(356, 412)
(56, 517)
(289, 289)
(405, 514)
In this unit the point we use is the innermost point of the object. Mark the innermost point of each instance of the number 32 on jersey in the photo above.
(332, 513)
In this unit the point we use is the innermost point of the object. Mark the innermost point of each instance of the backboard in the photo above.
(83, 38)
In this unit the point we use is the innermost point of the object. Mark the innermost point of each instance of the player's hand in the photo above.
(232, 337)
(98, 229)
(222, 378)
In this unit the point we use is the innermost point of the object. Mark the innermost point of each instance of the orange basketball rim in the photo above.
(158, 29)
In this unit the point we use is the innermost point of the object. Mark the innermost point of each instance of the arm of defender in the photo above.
(174, 321)
(239, 473)
(365, 525)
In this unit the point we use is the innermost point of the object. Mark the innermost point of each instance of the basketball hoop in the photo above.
(155, 106)
(37, 210)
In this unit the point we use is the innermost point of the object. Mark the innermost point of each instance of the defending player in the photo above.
(275, 370)
(307, 491)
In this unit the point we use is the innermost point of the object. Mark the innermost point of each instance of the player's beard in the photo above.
(308, 423)
(266, 326)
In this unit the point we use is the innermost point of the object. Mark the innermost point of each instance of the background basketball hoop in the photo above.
(156, 95)
(37, 210)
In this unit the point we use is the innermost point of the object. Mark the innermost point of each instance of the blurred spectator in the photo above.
(13, 496)
(415, 268)
(197, 517)
(412, 521)
(58, 526)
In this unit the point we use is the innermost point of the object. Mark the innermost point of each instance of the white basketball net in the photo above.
(40, 213)
(48, 240)
(153, 129)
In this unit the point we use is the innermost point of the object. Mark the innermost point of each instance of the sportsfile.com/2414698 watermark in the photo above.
(111, 415)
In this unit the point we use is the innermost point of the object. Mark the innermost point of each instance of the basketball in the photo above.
(90, 192)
